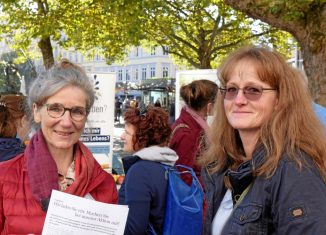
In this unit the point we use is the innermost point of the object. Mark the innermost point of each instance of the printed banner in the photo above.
(98, 132)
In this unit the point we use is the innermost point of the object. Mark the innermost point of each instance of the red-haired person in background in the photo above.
(60, 100)
(188, 131)
(144, 189)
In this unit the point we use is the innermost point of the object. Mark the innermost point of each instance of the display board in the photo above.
(184, 77)
(98, 132)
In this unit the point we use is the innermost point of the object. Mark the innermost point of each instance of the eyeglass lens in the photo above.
(250, 92)
(57, 110)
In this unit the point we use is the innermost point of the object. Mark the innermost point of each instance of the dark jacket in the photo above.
(144, 189)
(10, 147)
(292, 201)
(186, 141)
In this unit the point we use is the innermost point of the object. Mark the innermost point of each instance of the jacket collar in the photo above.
(243, 176)
(10, 147)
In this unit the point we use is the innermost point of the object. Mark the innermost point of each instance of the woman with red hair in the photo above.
(146, 137)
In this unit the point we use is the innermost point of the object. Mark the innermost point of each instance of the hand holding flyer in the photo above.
(69, 214)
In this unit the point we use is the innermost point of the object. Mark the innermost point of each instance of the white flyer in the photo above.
(68, 215)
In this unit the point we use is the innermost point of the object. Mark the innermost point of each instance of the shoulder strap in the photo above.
(180, 125)
(243, 194)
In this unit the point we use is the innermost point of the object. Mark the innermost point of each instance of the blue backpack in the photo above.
(184, 203)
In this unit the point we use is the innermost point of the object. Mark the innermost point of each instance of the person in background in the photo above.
(172, 112)
(320, 112)
(60, 101)
(133, 104)
(157, 103)
(265, 169)
(188, 131)
(146, 137)
(14, 125)
(117, 110)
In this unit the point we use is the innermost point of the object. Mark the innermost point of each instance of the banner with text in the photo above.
(98, 132)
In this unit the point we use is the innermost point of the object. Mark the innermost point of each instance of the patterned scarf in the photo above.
(43, 171)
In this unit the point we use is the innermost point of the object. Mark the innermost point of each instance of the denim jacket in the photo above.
(291, 202)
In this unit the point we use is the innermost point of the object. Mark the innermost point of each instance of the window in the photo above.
(165, 72)
(152, 50)
(137, 52)
(165, 50)
(143, 73)
(136, 74)
(120, 74)
(97, 57)
(127, 75)
(152, 72)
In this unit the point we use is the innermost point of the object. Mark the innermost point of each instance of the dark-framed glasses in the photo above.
(252, 93)
(57, 110)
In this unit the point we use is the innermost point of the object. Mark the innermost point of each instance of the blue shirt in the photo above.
(320, 112)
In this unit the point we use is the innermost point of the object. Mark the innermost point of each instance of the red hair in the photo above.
(151, 126)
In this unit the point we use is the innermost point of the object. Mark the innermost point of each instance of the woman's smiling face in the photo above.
(242, 113)
(62, 132)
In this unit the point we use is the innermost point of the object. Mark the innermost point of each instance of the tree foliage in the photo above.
(198, 32)
(201, 32)
(306, 21)
(81, 23)
(13, 72)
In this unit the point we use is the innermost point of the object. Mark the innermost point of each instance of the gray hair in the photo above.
(63, 74)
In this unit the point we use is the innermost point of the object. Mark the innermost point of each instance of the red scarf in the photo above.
(43, 171)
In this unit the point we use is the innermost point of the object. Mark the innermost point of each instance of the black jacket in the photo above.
(291, 202)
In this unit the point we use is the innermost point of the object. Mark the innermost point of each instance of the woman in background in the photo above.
(265, 169)
(146, 137)
(14, 125)
(188, 131)
(55, 159)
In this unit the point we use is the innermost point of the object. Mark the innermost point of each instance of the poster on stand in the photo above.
(98, 132)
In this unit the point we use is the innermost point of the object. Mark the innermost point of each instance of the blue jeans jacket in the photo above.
(291, 202)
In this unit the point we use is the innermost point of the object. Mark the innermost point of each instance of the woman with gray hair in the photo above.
(60, 101)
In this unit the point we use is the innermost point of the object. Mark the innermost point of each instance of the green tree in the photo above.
(197, 32)
(77, 23)
(201, 32)
(306, 21)
(14, 71)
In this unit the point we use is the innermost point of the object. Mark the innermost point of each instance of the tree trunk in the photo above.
(310, 33)
(205, 63)
(47, 53)
(315, 68)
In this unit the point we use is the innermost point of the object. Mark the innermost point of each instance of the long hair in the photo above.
(199, 93)
(152, 126)
(293, 126)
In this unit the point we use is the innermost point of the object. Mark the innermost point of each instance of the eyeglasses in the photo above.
(252, 93)
(57, 110)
